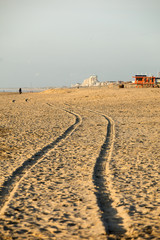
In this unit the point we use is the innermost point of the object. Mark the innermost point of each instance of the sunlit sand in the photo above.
(80, 164)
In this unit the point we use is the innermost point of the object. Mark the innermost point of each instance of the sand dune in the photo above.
(80, 164)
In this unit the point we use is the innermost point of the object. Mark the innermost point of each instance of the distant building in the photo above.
(91, 81)
(144, 81)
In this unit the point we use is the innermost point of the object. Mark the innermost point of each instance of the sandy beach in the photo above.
(80, 164)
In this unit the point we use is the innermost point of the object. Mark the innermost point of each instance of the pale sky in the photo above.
(55, 43)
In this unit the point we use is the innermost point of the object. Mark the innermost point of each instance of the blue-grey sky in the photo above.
(54, 43)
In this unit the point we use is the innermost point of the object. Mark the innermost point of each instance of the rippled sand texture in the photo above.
(80, 164)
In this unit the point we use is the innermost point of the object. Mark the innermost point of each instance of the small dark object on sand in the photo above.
(121, 85)
(13, 100)
(20, 90)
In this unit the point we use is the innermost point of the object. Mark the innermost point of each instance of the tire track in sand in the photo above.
(115, 218)
(10, 186)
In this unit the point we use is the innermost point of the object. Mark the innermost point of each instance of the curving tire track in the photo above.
(10, 186)
(101, 178)
(115, 219)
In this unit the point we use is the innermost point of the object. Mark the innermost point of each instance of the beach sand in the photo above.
(80, 164)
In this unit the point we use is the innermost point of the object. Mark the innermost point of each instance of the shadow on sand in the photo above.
(111, 222)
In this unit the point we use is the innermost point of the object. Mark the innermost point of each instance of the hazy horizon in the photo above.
(55, 43)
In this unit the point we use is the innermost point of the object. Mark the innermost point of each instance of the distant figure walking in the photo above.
(20, 90)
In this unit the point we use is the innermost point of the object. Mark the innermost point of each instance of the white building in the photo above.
(91, 81)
